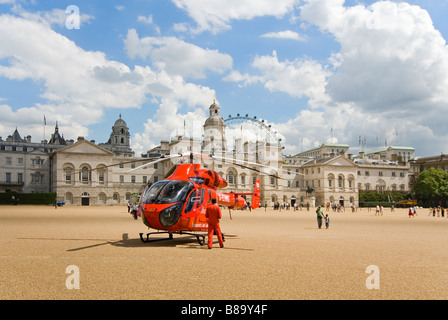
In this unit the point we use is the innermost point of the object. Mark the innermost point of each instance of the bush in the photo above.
(385, 199)
(28, 198)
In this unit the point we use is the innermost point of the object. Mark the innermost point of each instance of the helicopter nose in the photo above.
(169, 216)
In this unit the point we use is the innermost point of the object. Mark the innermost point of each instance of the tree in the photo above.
(431, 186)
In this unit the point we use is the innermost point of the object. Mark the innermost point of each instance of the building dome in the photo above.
(120, 123)
(214, 119)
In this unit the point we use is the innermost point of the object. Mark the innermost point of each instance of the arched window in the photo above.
(340, 181)
(231, 177)
(331, 181)
(85, 174)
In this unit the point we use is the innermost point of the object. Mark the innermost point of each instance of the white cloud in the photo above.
(391, 56)
(176, 56)
(393, 64)
(287, 34)
(78, 86)
(389, 76)
(147, 20)
(68, 72)
(54, 17)
(298, 78)
(216, 16)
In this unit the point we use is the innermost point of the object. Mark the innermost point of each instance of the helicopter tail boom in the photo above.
(235, 201)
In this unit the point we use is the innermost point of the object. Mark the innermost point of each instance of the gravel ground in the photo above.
(268, 255)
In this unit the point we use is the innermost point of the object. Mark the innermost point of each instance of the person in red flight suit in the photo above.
(213, 214)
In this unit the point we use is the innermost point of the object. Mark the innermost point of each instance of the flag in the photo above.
(45, 121)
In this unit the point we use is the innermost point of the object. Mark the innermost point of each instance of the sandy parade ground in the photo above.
(268, 255)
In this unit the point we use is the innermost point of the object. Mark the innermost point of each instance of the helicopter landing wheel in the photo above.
(201, 240)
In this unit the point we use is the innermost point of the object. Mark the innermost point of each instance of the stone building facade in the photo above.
(85, 173)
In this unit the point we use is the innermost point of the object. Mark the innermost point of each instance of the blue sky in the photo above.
(371, 69)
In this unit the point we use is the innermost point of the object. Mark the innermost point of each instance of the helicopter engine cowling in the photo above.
(212, 179)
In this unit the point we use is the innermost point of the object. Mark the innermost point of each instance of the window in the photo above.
(145, 179)
(121, 165)
(115, 196)
(101, 176)
(133, 179)
(85, 174)
(231, 178)
(121, 178)
(20, 161)
(380, 173)
(19, 177)
(367, 173)
(243, 180)
(68, 175)
(8, 177)
(272, 181)
(8, 161)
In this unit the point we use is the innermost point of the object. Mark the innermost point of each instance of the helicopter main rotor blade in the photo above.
(249, 162)
(163, 158)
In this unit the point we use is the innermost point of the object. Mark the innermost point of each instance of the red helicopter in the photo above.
(177, 204)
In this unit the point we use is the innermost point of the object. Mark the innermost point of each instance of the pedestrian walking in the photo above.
(319, 217)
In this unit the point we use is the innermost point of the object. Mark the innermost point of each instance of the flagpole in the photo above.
(45, 123)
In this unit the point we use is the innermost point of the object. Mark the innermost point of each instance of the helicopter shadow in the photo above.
(181, 241)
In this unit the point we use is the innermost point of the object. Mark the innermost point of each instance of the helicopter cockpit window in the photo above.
(167, 191)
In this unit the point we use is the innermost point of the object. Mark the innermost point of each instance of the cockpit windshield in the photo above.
(167, 191)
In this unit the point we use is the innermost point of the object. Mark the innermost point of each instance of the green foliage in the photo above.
(368, 196)
(28, 198)
(386, 199)
(432, 185)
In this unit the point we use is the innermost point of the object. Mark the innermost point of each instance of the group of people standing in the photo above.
(132, 209)
(439, 210)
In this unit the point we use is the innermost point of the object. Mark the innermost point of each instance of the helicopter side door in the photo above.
(195, 200)
(195, 209)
